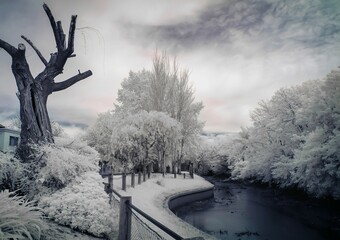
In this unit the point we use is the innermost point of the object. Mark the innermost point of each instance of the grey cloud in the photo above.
(268, 24)
(8, 102)
(214, 24)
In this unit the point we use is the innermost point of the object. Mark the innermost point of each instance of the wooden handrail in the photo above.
(154, 221)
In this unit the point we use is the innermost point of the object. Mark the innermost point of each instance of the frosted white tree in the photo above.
(99, 134)
(294, 140)
(168, 134)
(170, 91)
(317, 160)
(133, 96)
(138, 136)
(125, 145)
(164, 89)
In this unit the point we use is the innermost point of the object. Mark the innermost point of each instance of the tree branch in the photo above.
(35, 49)
(54, 27)
(61, 34)
(69, 82)
(8, 47)
(70, 46)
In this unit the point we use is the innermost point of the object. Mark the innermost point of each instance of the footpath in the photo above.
(152, 195)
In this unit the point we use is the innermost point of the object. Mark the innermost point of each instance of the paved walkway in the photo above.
(151, 195)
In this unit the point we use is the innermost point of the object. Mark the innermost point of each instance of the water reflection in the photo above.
(248, 212)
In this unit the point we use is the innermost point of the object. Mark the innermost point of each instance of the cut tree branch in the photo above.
(54, 27)
(69, 82)
(8, 47)
(35, 49)
(61, 34)
(72, 29)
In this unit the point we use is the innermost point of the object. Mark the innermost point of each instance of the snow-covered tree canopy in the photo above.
(139, 136)
(295, 139)
(165, 89)
(99, 134)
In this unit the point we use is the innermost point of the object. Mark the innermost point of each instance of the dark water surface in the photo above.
(240, 211)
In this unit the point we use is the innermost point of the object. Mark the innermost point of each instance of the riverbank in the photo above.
(151, 197)
(294, 191)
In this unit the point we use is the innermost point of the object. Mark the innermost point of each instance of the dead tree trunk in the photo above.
(33, 92)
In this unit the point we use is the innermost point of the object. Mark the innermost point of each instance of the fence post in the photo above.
(175, 170)
(144, 173)
(139, 177)
(133, 179)
(149, 171)
(110, 181)
(124, 181)
(191, 170)
(124, 219)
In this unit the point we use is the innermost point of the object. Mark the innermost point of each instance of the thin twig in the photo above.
(35, 49)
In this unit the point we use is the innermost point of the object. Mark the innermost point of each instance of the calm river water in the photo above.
(240, 211)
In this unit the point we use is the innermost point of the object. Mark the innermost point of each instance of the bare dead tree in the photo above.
(33, 92)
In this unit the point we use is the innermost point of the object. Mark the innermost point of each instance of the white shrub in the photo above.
(83, 205)
(64, 161)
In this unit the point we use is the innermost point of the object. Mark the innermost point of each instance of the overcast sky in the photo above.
(238, 51)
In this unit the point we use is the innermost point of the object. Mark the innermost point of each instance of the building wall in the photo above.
(2, 139)
(5, 135)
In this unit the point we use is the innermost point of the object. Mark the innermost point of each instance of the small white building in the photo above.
(9, 139)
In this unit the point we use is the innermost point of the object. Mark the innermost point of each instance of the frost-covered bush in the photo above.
(19, 219)
(54, 166)
(65, 160)
(11, 171)
(83, 205)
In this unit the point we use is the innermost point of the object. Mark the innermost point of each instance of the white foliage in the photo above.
(99, 135)
(135, 135)
(295, 139)
(164, 89)
(64, 161)
(83, 205)
(317, 164)
(133, 96)
(57, 130)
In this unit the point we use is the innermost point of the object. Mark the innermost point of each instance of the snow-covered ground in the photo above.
(151, 196)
